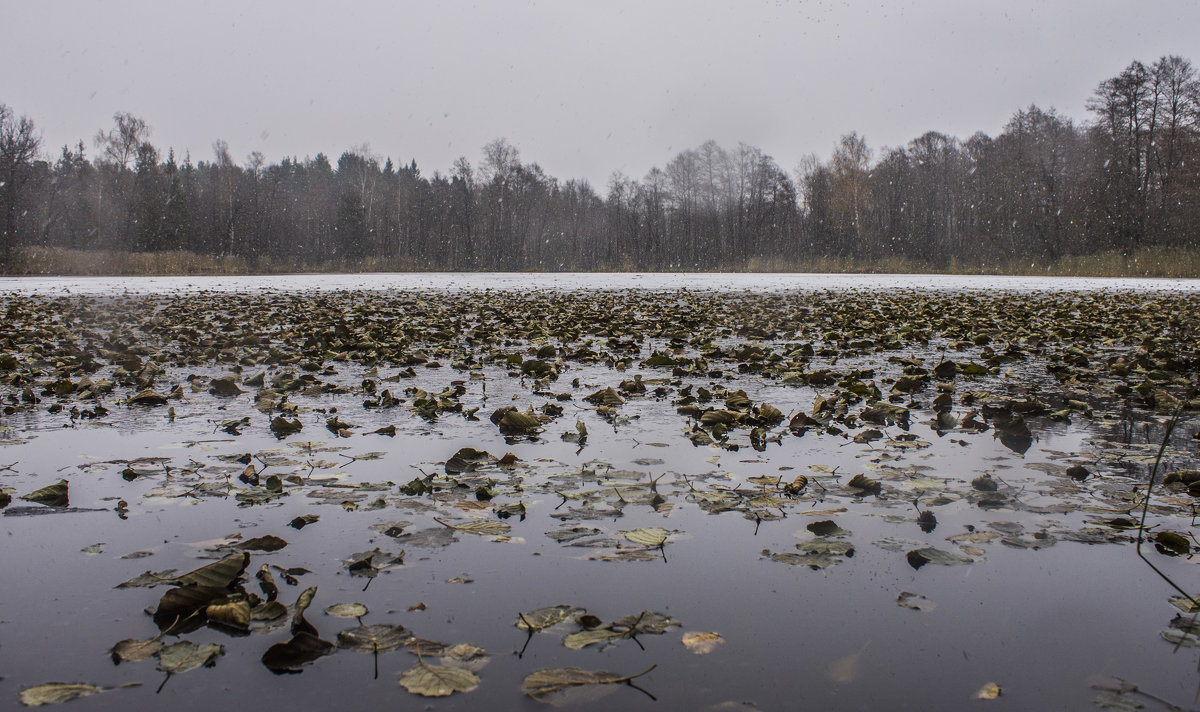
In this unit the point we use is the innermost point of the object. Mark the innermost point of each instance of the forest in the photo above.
(1125, 179)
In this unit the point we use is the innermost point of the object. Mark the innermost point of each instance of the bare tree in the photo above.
(119, 145)
(19, 144)
(851, 165)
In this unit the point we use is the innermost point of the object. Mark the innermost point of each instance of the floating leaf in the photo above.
(813, 561)
(148, 397)
(1078, 472)
(54, 495)
(55, 692)
(702, 643)
(985, 483)
(646, 622)
(466, 656)
(132, 650)
(304, 647)
(584, 638)
(826, 527)
(649, 536)
(224, 386)
(303, 601)
(218, 574)
(427, 648)
(866, 484)
(826, 547)
(516, 422)
(930, 555)
(1116, 702)
(235, 613)
(545, 617)
(373, 638)
(915, 601)
(180, 609)
(282, 427)
(990, 691)
(437, 680)
(270, 542)
(1187, 604)
(480, 528)
(606, 397)
(186, 655)
(149, 579)
(1172, 543)
(548, 685)
(347, 610)
(269, 611)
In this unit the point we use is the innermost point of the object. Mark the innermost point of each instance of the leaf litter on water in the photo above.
(841, 384)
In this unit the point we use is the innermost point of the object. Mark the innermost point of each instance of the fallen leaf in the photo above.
(480, 527)
(930, 555)
(546, 617)
(584, 638)
(437, 680)
(374, 638)
(270, 542)
(702, 643)
(550, 684)
(347, 610)
(651, 537)
(186, 655)
(55, 495)
(304, 647)
(230, 612)
(132, 650)
(915, 601)
(56, 692)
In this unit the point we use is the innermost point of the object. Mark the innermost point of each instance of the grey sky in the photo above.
(582, 88)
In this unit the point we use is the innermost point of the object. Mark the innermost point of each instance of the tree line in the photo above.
(1046, 187)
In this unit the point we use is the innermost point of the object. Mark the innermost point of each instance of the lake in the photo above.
(779, 491)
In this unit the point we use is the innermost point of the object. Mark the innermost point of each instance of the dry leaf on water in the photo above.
(131, 650)
(374, 638)
(648, 536)
(347, 610)
(702, 643)
(555, 686)
(545, 617)
(55, 692)
(437, 680)
(186, 655)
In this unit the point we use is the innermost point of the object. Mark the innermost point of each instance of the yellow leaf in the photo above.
(702, 643)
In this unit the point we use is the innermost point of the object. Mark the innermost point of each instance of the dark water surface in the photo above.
(1049, 605)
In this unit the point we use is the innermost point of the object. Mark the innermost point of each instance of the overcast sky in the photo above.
(582, 88)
